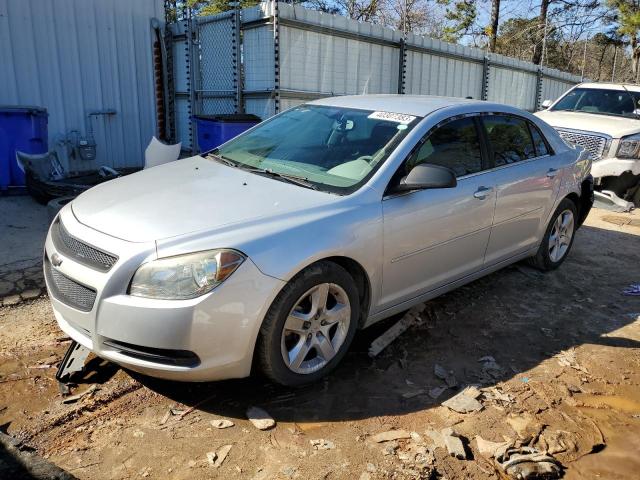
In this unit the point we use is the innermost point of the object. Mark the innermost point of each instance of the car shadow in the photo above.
(518, 316)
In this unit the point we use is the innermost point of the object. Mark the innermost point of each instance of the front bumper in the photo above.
(207, 338)
(612, 167)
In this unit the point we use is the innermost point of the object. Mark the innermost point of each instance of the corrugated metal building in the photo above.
(78, 56)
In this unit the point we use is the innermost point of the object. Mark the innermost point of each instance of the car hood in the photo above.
(187, 196)
(615, 127)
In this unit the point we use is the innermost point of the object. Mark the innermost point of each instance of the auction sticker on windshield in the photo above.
(392, 117)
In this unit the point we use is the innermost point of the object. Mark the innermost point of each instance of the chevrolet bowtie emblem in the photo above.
(56, 260)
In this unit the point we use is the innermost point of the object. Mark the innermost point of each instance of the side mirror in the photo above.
(547, 103)
(426, 175)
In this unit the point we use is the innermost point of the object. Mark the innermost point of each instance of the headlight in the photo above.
(185, 276)
(629, 147)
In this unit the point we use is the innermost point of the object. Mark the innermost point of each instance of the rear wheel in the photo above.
(309, 326)
(558, 237)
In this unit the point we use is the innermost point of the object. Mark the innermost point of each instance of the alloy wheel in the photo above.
(316, 328)
(561, 235)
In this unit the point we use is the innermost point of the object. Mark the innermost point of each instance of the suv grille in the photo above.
(79, 251)
(68, 291)
(594, 144)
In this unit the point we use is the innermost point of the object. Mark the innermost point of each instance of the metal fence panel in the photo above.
(291, 55)
(438, 68)
(181, 76)
(216, 89)
(513, 87)
(331, 54)
(553, 88)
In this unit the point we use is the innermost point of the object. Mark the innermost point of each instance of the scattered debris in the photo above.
(527, 463)
(632, 290)
(436, 437)
(397, 329)
(526, 426)
(488, 449)
(495, 395)
(453, 443)
(465, 401)
(567, 358)
(322, 444)
(222, 423)
(413, 393)
(436, 392)
(260, 418)
(87, 393)
(166, 416)
(220, 455)
(390, 436)
(390, 448)
(445, 375)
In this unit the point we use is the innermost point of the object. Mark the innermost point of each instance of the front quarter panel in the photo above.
(284, 245)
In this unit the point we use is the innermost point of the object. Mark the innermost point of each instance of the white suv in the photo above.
(604, 119)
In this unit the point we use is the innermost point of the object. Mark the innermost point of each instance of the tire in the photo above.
(551, 258)
(293, 324)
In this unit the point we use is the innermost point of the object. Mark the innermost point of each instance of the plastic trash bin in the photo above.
(22, 129)
(214, 130)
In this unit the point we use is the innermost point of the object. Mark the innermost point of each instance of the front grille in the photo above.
(80, 251)
(68, 291)
(594, 144)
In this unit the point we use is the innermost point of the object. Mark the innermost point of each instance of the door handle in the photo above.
(552, 172)
(483, 192)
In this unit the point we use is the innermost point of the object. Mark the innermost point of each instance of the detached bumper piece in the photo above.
(178, 358)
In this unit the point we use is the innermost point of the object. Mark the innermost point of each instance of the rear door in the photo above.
(436, 236)
(527, 178)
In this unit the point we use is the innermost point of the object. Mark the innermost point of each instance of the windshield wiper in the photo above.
(302, 181)
(221, 159)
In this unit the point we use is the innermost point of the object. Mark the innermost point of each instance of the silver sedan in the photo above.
(273, 249)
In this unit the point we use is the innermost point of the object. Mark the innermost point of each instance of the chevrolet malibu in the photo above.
(273, 249)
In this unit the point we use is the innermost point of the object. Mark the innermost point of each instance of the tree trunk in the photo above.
(495, 14)
(537, 53)
(604, 50)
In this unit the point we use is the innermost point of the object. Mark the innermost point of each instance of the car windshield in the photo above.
(328, 148)
(622, 103)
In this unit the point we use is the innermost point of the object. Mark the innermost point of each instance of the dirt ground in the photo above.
(564, 376)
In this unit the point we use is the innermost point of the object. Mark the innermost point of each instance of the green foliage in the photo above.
(462, 16)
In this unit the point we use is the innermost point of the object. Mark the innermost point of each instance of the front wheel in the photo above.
(309, 326)
(558, 237)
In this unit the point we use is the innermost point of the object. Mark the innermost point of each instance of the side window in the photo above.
(509, 139)
(455, 145)
(538, 141)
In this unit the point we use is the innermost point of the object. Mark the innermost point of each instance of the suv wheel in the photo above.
(309, 326)
(558, 237)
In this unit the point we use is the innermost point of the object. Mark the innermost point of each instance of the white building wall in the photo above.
(77, 56)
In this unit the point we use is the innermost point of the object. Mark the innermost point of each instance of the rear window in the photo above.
(509, 139)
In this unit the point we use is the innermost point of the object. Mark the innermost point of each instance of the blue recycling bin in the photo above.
(22, 129)
(214, 130)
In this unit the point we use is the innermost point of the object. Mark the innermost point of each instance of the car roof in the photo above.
(417, 105)
(610, 86)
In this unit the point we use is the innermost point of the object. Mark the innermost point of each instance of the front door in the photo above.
(435, 236)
